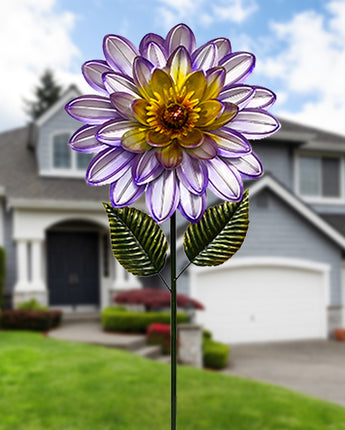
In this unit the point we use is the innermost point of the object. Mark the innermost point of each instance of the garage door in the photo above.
(262, 303)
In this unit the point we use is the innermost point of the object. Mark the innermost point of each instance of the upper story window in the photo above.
(320, 177)
(64, 160)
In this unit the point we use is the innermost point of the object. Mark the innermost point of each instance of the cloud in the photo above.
(311, 66)
(37, 37)
(206, 13)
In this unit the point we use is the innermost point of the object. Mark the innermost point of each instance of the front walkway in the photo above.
(92, 332)
(312, 367)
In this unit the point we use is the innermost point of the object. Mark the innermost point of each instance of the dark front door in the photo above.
(73, 268)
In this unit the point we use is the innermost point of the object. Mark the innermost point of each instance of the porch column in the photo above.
(22, 250)
(37, 283)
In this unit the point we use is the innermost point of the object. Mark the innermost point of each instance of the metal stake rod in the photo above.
(173, 323)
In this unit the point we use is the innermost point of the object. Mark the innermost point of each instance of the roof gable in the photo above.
(70, 93)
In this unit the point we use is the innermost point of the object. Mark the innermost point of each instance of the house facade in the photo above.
(286, 282)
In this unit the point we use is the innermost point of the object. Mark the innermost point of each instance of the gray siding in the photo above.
(60, 121)
(277, 159)
(11, 274)
(277, 230)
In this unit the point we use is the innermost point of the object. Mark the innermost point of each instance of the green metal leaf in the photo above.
(219, 233)
(137, 241)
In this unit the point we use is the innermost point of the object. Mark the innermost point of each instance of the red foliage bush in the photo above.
(155, 298)
(19, 319)
(159, 334)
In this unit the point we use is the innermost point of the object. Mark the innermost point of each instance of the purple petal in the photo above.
(237, 66)
(240, 95)
(191, 206)
(263, 98)
(124, 191)
(120, 53)
(142, 71)
(116, 82)
(162, 196)
(108, 166)
(223, 47)
(230, 143)
(193, 174)
(180, 35)
(84, 140)
(146, 168)
(206, 57)
(224, 180)
(93, 71)
(148, 38)
(249, 165)
(206, 151)
(155, 53)
(112, 131)
(255, 123)
(122, 103)
(91, 109)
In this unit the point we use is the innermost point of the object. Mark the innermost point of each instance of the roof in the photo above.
(336, 220)
(20, 179)
(310, 137)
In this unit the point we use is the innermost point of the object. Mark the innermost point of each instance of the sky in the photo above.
(299, 46)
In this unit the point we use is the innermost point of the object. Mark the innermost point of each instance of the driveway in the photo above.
(316, 368)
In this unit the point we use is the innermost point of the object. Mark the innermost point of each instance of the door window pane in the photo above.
(310, 174)
(331, 177)
(61, 152)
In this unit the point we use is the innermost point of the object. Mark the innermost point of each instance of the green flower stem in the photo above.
(173, 324)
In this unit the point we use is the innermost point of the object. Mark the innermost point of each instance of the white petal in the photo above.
(248, 165)
(124, 191)
(162, 196)
(237, 66)
(224, 180)
(255, 123)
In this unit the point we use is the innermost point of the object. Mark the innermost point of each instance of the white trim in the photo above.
(298, 206)
(58, 205)
(60, 104)
(2, 222)
(343, 292)
(266, 261)
(319, 199)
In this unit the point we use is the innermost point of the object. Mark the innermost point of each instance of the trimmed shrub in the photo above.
(206, 334)
(32, 305)
(215, 354)
(135, 322)
(155, 298)
(19, 319)
(159, 334)
(2, 275)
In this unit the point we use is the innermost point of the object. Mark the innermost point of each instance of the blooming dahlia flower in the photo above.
(172, 120)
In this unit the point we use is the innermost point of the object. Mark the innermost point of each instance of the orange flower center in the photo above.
(175, 116)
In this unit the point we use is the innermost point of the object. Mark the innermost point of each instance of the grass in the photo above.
(56, 385)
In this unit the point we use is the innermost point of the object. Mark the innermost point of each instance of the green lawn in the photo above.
(55, 385)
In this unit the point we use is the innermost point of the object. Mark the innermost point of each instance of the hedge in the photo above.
(2, 275)
(18, 319)
(215, 354)
(135, 322)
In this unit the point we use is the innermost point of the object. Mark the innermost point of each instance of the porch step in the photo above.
(149, 351)
(164, 359)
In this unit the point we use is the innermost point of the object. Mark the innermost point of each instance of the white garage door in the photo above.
(262, 303)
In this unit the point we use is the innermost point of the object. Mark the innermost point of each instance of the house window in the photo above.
(61, 152)
(63, 158)
(320, 176)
